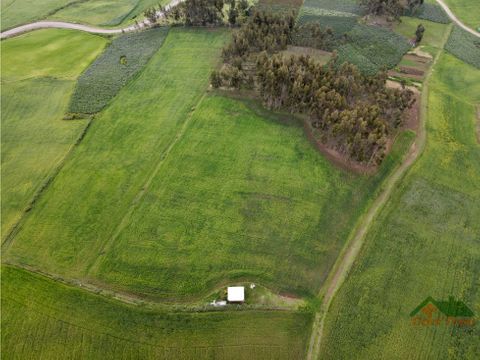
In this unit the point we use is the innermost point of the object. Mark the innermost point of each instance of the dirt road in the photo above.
(452, 16)
(348, 256)
(91, 29)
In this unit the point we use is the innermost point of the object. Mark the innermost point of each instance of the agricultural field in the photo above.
(466, 11)
(431, 11)
(120, 214)
(124, 58)
(95, 12)
(62, 322)
(424, 243)
(465, 46)
(35, 139)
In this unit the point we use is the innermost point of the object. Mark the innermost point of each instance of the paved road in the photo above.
(91, 29)
(455, 20)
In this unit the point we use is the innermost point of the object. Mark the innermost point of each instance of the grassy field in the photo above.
(424, 243)
(95, 12)
(466, 11)
(60, 322)
(37, 81)
(434, 32)
(124, 58)
(237, 185)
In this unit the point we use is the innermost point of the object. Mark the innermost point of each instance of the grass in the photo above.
(82, 207)
(61, 322)
(60, 54)
(106, 12)
(431, 11)
(466, 11)
(95, 12)
(34, 136)
(433, 35)
(465, 46)
(124, 58)
(424, 243)
(116, 213)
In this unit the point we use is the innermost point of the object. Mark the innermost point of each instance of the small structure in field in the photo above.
(236, 294)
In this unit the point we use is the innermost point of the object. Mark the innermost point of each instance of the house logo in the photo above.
(431, 312)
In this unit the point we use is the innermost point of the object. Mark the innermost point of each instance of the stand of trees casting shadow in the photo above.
(350, 112)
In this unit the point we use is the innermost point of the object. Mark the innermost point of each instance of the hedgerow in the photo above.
(431, 12)
(465, 46)
(125, 56)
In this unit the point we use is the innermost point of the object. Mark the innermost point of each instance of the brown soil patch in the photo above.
(412, 115)
(418, 59)
(411, 71)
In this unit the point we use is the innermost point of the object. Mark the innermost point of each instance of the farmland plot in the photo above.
(45, 319)
(34, 136)
(241, 196)
(80, 210)
(467, 11)
(424, 243)
(124, 58)
(464, 46)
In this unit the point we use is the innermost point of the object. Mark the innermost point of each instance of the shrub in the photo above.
(125, 57)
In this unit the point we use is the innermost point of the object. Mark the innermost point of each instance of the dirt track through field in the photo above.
(452, 16)
(87, 28)
(348, 256)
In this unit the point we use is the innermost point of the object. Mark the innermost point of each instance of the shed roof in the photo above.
(236, 293)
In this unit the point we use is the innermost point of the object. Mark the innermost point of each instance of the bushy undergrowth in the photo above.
(431, 12)
(111, 71)
(465, 46)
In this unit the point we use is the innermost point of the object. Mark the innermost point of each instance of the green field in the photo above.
(42, 319)
(122, 60)
(161, 180)
(467, 11)
(465, 46)
(424, 243)
(95, 12)
(37, 81)
(434, 32)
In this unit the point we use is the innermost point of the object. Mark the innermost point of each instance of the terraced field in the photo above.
(35, 139)
(425, 243)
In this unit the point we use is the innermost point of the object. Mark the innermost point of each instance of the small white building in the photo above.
(236, 294)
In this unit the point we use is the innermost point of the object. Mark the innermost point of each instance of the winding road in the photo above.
(73, 26)
(452, 16)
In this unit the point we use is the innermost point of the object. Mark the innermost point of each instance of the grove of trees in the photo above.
(394, 8)
(350, 112)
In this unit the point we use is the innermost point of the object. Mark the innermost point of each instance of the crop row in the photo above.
(465, 46)
(125, 56)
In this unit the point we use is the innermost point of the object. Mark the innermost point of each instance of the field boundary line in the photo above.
(347, 257)
(7, 240)
(136, 200)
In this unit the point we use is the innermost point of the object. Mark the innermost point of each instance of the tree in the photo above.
(232, 13)
(419, 33)
(215, 79)
(393, 8)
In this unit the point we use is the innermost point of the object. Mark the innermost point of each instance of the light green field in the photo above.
(36, 89)
(95, 12)
(42, 319)
(467, 11)
(434, 32)
(425, 242)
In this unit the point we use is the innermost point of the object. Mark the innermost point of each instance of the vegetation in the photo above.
(467, 11)
(430, 11)
(353, 113)
(434, 32)
(96, 12)
(45, 319)
(423, 243)
(124, 58)
(34, 136)
(465, 46)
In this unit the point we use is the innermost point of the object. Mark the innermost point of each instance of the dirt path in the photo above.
(452, 16)
(87, 28)
(348, 256)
